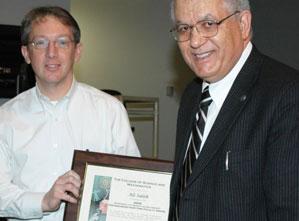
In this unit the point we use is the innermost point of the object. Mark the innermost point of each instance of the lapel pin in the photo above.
(243, 98)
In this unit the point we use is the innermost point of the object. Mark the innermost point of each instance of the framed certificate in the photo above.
(120, 188)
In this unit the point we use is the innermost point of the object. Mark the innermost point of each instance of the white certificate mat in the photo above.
(122, 194)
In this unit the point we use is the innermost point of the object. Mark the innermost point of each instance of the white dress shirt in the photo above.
(219, 91)
(38, 138)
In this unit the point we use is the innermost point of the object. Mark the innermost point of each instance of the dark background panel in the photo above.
(275, 29)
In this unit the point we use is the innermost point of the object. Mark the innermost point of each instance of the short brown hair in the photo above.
(41, 12)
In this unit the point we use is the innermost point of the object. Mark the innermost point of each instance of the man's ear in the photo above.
(78, 51)
(25, 53)
(245, 23)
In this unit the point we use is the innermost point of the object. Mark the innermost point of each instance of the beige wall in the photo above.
(127, 47)
(13, 11)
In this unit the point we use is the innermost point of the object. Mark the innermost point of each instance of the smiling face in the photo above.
(212, 58)
(53, 66)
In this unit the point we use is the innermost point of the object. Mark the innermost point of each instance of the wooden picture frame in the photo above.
(92, 165)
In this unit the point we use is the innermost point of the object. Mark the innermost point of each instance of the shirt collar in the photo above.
(45, 102)
(220, 89)
(67, 96)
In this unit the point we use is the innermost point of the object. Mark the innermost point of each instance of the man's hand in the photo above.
(66, 188)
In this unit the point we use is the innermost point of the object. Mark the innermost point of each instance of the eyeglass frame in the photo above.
(217, 23)
(57, 43)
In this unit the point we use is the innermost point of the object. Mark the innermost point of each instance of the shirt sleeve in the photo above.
(14, 200)
(123, 138)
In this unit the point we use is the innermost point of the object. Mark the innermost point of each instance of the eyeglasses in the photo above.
(207, 28)
(43, 43)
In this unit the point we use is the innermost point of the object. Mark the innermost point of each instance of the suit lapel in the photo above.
(190, 105)
(232, 107)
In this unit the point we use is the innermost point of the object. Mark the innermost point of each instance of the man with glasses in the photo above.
(237, 146)
(40, 128)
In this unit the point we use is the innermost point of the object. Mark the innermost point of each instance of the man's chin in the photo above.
(207, 76)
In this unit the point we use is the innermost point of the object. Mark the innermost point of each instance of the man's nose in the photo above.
(52, 49)
(196, 38)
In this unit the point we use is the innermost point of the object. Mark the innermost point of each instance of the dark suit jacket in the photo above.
(258, 125)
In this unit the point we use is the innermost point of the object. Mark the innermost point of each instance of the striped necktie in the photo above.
(194, 144)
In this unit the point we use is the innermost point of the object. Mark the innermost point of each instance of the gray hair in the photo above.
(232, 5)
(237, 5)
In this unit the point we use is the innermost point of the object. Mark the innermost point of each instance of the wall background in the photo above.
(13, 11)
(276, 29)
(127, 47)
